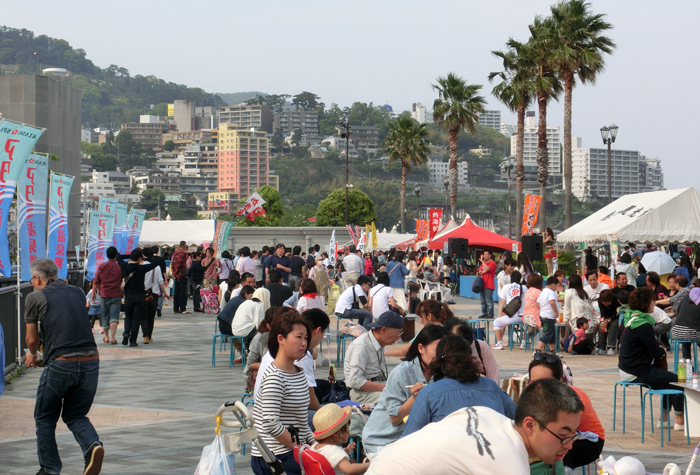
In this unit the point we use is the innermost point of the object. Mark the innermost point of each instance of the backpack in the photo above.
(312, 462)
(478, 285)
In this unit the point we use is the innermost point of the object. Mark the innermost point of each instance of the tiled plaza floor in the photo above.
(155, 404)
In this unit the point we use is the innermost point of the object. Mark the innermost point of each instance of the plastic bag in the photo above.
(333, 296)
(215, 460)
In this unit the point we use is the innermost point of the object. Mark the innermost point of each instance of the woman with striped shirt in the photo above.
(283, 397)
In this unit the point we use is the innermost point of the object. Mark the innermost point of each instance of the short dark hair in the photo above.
(464, 328)
(515, 277)
(534, 281)
(136, 254)
(352, 248)
(112, 252)
(681, 280)
(364, 279)
(233, 281)
(453, 360)
(246, 275)
(245, 251)
(653, 278)
(317, 247)
(147, 252)
(606, 295)
(265, 249)
(556, 367)
(307, 286)
(603, 270)
(226, 255)
(558, 395)
(581, 321)
(509, 261)
(246, 290)
(625, 258)
(317, 318)
(620, 274)
(279, 245)
(623, 296)
(552, 279)
(641, 299)
(590, 273)
(296, 250)
(383, 278)
(275, 276)
(283, 324)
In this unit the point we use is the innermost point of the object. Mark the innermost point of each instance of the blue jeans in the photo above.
(363, 317)
(486, 296)
(66, 389)
(111, 306)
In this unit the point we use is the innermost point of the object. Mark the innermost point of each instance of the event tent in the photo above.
(170, 233)
(660, 216)
(478, 238)
(449, 226)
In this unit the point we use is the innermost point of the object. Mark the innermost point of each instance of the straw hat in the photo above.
(330, 419)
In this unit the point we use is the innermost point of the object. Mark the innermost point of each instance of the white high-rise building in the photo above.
(651, 176)
(508, 129)
(530, 145)
(490, 119)
(590, 172)
(419, 113)
(439, 169)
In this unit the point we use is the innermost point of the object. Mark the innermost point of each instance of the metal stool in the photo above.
(664, 393)
(624, 385)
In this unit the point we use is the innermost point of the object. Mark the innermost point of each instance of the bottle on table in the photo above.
(689, 368)
(681, 371)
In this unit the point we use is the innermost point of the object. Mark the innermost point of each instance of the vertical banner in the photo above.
(435, 217)
(221, 235)
(361, 242)
(531, 213)
(108, 204)
(58, 221)
(100, 236)
(374, 237)
(134, 224)
(332, 250)
(422, 230)
(368, 237)
(16, 142)
(120, 230)
(32, 195)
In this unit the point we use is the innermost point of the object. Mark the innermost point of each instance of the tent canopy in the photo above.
(449, 226)
(170, 233)
(659, 216)
(478, 238)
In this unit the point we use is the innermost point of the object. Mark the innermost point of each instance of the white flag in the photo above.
(331, 250)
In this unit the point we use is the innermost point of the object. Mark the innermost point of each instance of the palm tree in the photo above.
(515, 91)
(579, 49)
(457, 107)
(547, 87)
(407, 142)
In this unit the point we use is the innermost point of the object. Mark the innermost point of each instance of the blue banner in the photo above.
(100, 236)
(110, 205)
(16, 142)
(134, 224)
(32, 196)
(58, 221)
(120, 229)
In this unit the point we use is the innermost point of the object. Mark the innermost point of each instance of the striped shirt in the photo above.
(281, 401)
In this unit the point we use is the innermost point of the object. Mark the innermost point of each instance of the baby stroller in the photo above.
(210, 301)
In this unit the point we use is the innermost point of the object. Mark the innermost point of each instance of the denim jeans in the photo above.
(363, 317)
(134, 308)
(180, 294)
(486, 296)
(66, 389)
(111, 306)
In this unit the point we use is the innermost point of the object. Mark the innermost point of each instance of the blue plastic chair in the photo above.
(676, 347)
(484, 323)
(222, 344)
(624, 385)
(244, 352)
(340, 339)
(664, 393)
(232, 354)
(512, 332)
(557, 327)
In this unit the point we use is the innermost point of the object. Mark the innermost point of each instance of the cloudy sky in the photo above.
(389, 52)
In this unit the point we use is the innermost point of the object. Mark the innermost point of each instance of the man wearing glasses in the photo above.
(478, 440)
(365, 364)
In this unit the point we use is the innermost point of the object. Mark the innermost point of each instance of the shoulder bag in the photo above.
(512, 307)
(149, 291)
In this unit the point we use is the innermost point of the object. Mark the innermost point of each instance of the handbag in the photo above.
(478, 285)
(512, 307)
(339, 392)
(355, 304)
(149, 291)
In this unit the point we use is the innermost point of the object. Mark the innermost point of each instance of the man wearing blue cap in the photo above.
(365, 364)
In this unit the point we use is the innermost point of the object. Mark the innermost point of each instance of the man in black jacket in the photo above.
(134, 273)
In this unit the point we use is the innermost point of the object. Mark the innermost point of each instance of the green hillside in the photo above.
(235, 98)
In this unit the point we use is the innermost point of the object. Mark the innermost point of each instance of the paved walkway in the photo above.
(155, 404)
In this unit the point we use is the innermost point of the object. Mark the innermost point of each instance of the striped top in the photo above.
(281, 401)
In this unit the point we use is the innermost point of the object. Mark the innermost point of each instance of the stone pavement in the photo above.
(155, 405)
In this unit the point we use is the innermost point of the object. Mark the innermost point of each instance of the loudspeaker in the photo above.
(532, 246)
(457, 247)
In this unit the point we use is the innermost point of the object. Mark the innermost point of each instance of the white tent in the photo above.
(385, 241)
(659, 217)
(170, 233)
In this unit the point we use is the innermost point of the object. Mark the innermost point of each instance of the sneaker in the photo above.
(133, 344)
(611, 352)
(599, 351)
(93, 459)
(522, 345)
(497, 346)
(679, 427)
(158, 313)
(146, 340)
(42, 472)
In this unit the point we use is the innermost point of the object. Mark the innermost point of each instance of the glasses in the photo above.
(563, 440)
(398, 332)
(548, 357)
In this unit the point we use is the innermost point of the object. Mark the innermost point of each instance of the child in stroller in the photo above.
(209, 298)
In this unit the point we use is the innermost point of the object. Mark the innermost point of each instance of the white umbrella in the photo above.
(658, 262)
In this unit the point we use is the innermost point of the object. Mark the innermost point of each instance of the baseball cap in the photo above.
(388, 319)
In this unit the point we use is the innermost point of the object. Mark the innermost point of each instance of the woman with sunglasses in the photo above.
(589, 445)
(457, 384)
(386, 423)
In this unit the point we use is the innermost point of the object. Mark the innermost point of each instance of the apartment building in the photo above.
(530, 145)
(147, 132)
(590, 172)
(420, 113)
(183, 139)
(651, 176)
(243, 159)
(364, 138)
(490, 119)
(438, 170)
(201, 159)
(245, 116)
(290, 120)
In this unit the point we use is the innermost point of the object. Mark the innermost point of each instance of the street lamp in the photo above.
(446, 182)
(346, 135)
(609, 134)
(508, 164)
(416, 190)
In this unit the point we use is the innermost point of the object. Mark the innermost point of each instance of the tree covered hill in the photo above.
(111, 95)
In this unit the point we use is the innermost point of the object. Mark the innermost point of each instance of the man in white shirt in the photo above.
(355, 294)
(507, 293)
(504, 276)
(353, 266)
(480, 441)
(439, 262)
(548, 313)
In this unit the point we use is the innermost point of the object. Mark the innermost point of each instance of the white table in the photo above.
(692, 393)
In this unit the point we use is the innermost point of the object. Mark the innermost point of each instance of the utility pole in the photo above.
(609, 135)
(346, 136)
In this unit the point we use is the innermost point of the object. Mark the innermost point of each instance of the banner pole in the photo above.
(18, 291)
(87, 219)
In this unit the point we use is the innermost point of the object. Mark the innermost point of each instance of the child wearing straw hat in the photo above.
(332, 424)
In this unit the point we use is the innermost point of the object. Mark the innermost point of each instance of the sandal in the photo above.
(105, 339)
(113, 342)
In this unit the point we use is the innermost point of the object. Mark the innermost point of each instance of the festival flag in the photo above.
(120, 229)
(133, 224)
(361, 242)
(368, 237)
(435, 217)
(374, 237)
(254, 202)
(257, 212)
(221, 235)
(100, 236)
(422, 230)
(58, 221)
(32, 195)
(531, 213)
(332, 250)
(16, 142)
(110, 205)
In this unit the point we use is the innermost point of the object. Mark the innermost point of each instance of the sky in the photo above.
(390, 52)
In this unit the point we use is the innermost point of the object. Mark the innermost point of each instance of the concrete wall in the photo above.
(46, 102)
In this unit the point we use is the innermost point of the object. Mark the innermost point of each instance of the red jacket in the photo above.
(177, 264)
(108, 279)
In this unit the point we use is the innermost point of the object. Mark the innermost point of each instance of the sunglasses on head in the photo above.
(548, 357)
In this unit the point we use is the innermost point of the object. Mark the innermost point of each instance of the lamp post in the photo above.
(446, 182)
(346, 136)
(508, 164)
(416, 190)
(609, 134)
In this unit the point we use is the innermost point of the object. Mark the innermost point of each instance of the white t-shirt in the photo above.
(593, 294)
(509, 292)
(345, 300)
(470, 441)
(503, 279)
(660, 316)
(440, 263)
(545, 308)
(236, 292)
(333, 454)
(157, 280)
(380, 299)
(306, 363)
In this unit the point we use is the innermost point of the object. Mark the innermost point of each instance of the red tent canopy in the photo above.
(478, 238)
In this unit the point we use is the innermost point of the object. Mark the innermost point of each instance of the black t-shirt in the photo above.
(160, 261)
(278, 294)
(616, 290)
(297, 264)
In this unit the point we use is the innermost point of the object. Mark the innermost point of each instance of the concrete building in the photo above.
(274, 180)
(245, 117)
(364, 138)
(508, 129)
(201, 159)
(243, 159)
(222, 202)
(530, 145)
(651, 176)
(336, 143)
(147, 133)
(45, 102)
(490, 119)
(439, 169)
(86, 135)
(121, 181)
(207, 117)
(199, 185)
(183, 139)
(590, 172)
(290, 120)
(171, 162)
(93, 191)
(184, 115)
(420, 113)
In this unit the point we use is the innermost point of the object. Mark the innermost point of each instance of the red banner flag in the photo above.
(531, 213)
(435, 217)
(422, 229)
